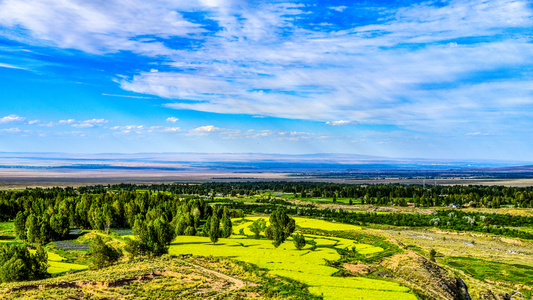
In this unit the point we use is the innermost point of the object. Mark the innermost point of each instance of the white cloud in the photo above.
(33, 122)
(409, 69)
(83, 124)
(338, 8)
(365, 73)
(11, 119)
(204, 130)
(342, 122)
(171, 129)
(143, 130)
(139, 129)
(226, 133)
(99, 27)
(69, 121)
(172, 119)
(10, 130)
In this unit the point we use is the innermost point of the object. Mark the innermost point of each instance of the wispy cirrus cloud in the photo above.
(391, 72)
(453, 68)
(342, 122)
(8, 66)
(101, 27)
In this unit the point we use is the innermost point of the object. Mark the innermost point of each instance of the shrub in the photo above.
(103, 254)
(17, 264)
(257, 226)
(299, 241)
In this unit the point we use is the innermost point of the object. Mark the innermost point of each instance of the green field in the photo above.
(7, 234)
(58, 266)
(305, 265)
(494, 271)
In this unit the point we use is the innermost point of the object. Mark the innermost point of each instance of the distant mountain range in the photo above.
(255, 162)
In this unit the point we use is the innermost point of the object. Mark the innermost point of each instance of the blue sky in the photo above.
(429, 79)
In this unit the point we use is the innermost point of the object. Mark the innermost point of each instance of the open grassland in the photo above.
(482, 269)
(307, 265)
(493, 260)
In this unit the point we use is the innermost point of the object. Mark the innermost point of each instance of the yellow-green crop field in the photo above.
(57, 265)
(306, 265)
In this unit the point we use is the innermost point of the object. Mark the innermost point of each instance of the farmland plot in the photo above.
(307, 265)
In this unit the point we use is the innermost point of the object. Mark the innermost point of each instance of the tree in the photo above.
(103, 254)
(20, 225)
(33, 227)
(432, 255)
(258, 226)
(40, 269)
(281, 226)
(134, 248)
(227, 226)
(299, 241)
(60, 225)
(213, 228)
(154, 237)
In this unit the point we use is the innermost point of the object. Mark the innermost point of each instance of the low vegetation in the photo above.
(285, 240)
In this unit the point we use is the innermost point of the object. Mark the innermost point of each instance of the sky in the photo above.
(420, 79)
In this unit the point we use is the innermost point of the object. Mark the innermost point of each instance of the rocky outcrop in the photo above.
(425, 277)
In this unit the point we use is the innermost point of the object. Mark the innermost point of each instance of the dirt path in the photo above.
(238, 283)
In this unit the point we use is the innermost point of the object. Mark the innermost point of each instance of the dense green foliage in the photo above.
(154, 236)
(99, 207)
(299, 241)
(227, 227)
(281, 226)
(213, 231)
(43, 215)
(103, 254)
(257, 227)
(17, 263)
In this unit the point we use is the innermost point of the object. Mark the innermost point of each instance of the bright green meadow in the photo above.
(306, 265)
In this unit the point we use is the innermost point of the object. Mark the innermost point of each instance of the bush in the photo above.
(17, 263)
(257, 226)
(103, 254)
(299, 241)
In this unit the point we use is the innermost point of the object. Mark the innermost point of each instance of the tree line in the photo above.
(499, 224)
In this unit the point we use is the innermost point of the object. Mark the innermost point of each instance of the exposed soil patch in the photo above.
(358, 269)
